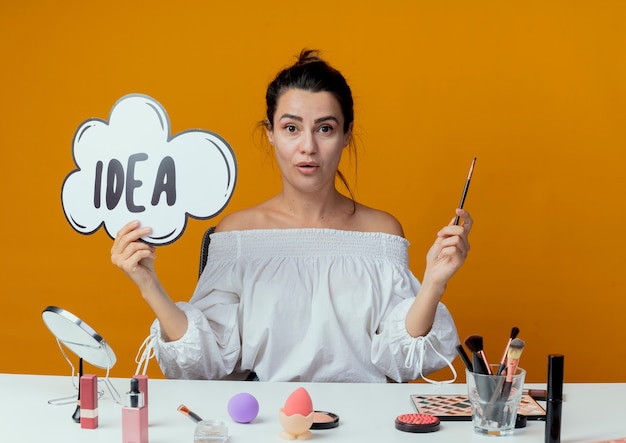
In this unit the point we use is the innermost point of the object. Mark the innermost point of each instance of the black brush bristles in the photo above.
(475, 344)
(514, 332)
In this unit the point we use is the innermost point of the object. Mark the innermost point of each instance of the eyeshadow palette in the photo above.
(458, 407)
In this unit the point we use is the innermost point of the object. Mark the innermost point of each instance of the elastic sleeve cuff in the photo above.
(421, 356)
(193, 318)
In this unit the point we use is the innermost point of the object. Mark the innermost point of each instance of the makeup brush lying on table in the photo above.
(475, 344)
(512, 362)
(189, 413)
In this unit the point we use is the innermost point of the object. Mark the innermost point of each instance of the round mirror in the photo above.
(79, 337)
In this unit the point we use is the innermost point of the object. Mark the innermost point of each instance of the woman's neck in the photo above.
(313, 210)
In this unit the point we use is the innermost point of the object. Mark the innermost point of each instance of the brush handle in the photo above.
(465, 358)
(511, 369)
(495, 406)
(487, 366)
(501, 368)
(465, 188)
(479, 364)
(457, 219)
(503, 361)
(506, 390)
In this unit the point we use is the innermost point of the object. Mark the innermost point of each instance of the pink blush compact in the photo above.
(417, 423)
(324, 420)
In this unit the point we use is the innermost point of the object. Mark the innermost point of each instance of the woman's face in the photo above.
(308, 138)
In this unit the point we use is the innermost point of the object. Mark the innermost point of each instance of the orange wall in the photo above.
(535, 89)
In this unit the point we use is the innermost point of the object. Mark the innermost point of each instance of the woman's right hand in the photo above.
(133, 256)
(136, 259)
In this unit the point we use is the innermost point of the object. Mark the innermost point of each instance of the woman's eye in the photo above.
(290, 128)
(326, 129)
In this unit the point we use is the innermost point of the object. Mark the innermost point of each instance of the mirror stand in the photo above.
(77, 336)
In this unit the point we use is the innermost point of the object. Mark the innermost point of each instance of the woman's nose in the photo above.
(309, 144)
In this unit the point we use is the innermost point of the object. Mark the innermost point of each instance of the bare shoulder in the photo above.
(268, 215)
(375, 220)
(249, 218)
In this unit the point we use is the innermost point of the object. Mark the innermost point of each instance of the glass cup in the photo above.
(210, 431)
(494, 400)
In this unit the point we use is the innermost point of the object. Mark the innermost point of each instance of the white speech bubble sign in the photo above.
(129, 168)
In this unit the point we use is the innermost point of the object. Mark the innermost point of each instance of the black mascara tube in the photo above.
(554, 398)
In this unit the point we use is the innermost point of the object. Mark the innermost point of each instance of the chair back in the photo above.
(204, 253)
(204, 248)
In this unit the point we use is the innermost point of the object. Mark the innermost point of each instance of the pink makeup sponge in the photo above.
(299, 402)
(243, 407)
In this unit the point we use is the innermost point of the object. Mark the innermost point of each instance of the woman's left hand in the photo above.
(449, 251)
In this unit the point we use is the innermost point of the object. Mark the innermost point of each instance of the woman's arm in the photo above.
(444, 258)
(136, 259)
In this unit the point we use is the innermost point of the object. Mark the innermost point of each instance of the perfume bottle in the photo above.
(134, 416)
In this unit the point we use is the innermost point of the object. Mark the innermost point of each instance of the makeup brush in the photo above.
(467, 183)
(189, 413)
(464, 357)
(475, 344)
(514, 332)
(512, 361)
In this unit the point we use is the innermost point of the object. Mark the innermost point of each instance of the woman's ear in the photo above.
(348, 135)
(270, 135)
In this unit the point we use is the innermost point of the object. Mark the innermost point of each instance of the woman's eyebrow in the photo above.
(327, 118)
(318, 120)
(291, 116)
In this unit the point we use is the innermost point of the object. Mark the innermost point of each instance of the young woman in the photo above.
(309, 285)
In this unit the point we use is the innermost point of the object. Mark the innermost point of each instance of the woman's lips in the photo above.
(307, 168)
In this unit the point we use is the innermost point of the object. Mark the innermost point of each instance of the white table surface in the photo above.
(367, 412)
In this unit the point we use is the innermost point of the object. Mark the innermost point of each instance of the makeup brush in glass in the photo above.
(502, 367)
(512, 362)
(465, 358)
(475, 344)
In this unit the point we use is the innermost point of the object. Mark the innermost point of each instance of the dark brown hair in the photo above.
(311, 73)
